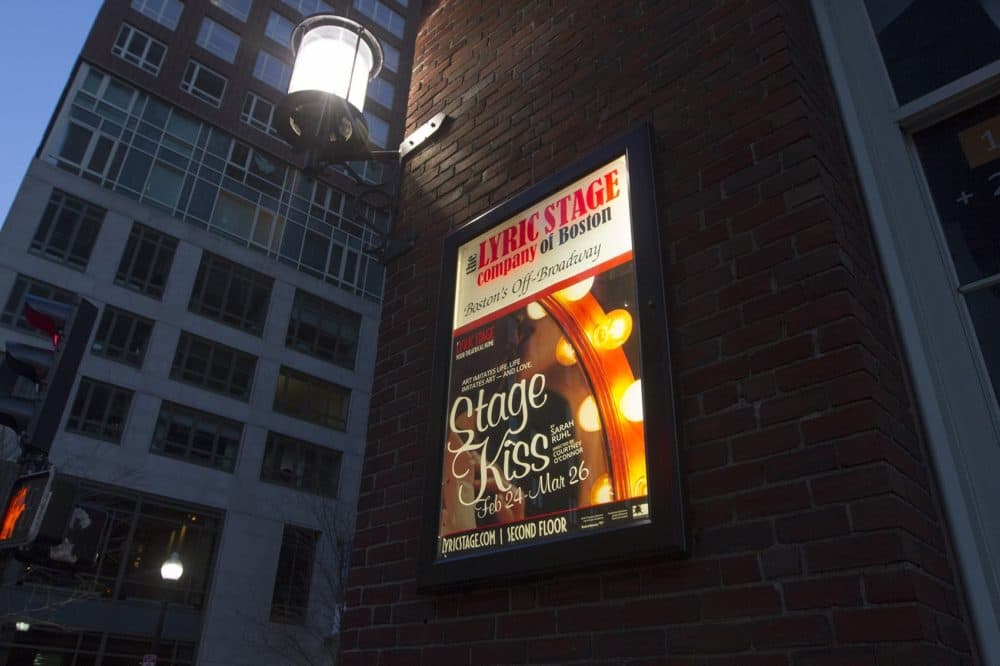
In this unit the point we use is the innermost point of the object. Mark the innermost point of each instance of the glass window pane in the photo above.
(961, 159)
(928, 43)
(218, 39)
(279, 29)
(164, 185)
(233, 215)
(196, 436)
(984, 309)
(165, 12)
(238, 8)
(213, 366)
(75, 144)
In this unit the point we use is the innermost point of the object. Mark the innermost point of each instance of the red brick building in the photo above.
(830, 328)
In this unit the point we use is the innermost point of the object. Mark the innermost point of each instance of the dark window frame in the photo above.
(146, 61)
(163, 14)
(193, 73)
(272, 70)
(214, 357)
(24, 285)
(256, 287)
(301, 465)
(249, 115)
(208, 38)
(343, 348)
(82, 418)
(230, 8)
(142, 241)
(293, 575)
(68, 230)
(216, 456)
(111, 319)
(318, 408)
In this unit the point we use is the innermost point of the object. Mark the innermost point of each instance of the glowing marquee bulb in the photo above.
(631, 402)
(575, 292)
(613, 330)
(639, 487)
(587, 415)
(535, 311)
(565, 353)
(601, 492)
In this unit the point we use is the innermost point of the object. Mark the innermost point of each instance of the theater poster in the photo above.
(553, 431)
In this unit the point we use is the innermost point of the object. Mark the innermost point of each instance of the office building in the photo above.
(221, 411)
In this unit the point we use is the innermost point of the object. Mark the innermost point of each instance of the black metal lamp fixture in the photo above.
(321, 115)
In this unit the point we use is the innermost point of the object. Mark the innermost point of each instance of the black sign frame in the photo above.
(664, 532)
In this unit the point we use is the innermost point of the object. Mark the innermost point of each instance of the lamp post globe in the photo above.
(335, 58)
(172, 568)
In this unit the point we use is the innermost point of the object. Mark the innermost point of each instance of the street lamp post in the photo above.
(171, 571)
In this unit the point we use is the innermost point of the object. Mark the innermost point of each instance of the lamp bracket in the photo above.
(421, 134)
(392, 246)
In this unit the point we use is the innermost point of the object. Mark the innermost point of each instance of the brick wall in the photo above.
(814, 523)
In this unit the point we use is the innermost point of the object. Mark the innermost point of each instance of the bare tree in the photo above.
(317, 641)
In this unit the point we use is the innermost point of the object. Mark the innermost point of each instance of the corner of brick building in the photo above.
(815, 530)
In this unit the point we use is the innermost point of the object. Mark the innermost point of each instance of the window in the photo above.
(13, 311)
(197, 437)
(231, 294)
(272, 71)
(307, 7)
(917, 87)
(378, 129)
(301, 465)
(311, 399)
(122, 336)
(279, 29)
(138, 48)
(164, 185)
(291, 582)
(139, 532)
(927, 45)
(214, 366)
(203, 83)
(391, 57)
(164, 12)
(68, 230)
(218, 40)
(382, 92)
(99, 410)
(177, 163)
(382, 15)
(258, 113)
(232, 215)
(323, 329)
(238, 8)
(145, 265)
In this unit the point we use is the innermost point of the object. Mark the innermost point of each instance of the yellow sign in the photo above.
(981, 143)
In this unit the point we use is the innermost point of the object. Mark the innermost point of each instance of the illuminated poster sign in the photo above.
(554, 437)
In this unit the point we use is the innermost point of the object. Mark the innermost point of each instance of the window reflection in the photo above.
(928, 43)
(142, 531)
(961, 159)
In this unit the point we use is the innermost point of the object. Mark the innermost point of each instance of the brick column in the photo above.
(813, 516)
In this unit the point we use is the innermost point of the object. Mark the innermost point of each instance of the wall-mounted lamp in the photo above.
(321, 115)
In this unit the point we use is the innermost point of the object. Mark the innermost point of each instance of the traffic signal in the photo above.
(52, 370)
(26, 509)
(81, 539)
(48, 526)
